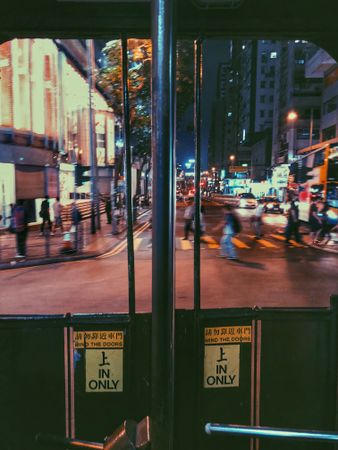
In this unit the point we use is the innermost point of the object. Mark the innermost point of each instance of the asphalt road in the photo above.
(269, 274)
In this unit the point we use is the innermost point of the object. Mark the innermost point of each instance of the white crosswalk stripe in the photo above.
(242, 241)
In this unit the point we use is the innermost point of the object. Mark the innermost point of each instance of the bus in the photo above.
(316, 175)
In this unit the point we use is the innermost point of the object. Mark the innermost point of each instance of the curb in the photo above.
(42, 262)
(60, 259)
(324, 249)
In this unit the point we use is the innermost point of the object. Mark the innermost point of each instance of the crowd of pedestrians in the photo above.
(19, 220)
(321, 223)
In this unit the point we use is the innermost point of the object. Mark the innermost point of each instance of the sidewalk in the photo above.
(47, 249)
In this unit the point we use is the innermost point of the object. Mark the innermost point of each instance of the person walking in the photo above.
(45, 215)
(292, 227)
(257, 218)
(189, 215)
(77, 226)
(57, 209)
(232, 226)
(108, 210)
(21, 228)
(315, 222)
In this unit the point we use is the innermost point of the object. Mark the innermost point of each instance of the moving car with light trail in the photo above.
(247, 200)
(272, 205)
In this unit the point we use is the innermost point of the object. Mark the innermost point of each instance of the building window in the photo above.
(273, 55)
(329, 133)
(272, 84)
(264, 58)
(271, 99)
(300, 61)
(263, 84)
(270, 113)
(262, 98)
(330, 105)
(6, 96)
(262, 113)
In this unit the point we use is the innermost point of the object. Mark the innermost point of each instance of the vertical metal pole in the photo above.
(311, 128)
(197, 233)
(92, 150)
(197, 120)
(127, 147)
(163, 287)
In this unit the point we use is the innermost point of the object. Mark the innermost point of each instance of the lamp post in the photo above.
(291, 119)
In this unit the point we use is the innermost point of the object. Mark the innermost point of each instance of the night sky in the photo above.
(214, 52)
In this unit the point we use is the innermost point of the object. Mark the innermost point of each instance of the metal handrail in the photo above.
(267, 432)
(67, 442)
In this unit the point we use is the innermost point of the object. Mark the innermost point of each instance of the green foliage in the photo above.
(139, 82)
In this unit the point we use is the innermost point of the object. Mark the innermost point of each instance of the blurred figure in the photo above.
(108, 210)
(232, 226)
(57, 209)
(315, 221)
(189, 215)
(202, 220)
(21, 228)
(257, 218)
(292, 227)
(45, 215)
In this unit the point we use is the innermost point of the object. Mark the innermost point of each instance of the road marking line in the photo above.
(264, 242)
(213, 245)
(296, 244)
(186, 245)
(239, 243)
(277, 236)
(283, 238)
(122, 245)
(137, 243)
(208, 240)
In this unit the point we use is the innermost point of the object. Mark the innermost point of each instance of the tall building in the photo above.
(298, 94)
(257, 63)
(44, 120)
(321, 65)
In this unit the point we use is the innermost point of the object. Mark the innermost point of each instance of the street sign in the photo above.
(221, 366)
(233, 169)
(222, 355)
(103, 351)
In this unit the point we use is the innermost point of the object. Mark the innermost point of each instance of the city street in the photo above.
(269, 273)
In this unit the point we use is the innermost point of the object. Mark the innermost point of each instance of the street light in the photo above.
(291, 118)
(232, 157)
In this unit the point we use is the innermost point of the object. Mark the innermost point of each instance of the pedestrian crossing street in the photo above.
(242, 242)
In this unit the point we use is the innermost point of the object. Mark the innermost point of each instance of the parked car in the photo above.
(272, 205)
(247, 200)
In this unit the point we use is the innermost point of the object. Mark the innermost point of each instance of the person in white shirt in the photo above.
(189, 215)
(57, 209)
(257, 219)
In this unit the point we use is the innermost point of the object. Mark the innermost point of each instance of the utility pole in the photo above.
(92, 150)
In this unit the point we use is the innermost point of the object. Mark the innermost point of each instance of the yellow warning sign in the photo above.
(227, 335)
(221, 366)
(98, 339)
(104, 370)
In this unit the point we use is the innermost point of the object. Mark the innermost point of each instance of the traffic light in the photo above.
(304, 174)
(80, 178)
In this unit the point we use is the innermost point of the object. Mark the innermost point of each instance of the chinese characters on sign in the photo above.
(104, 359)
(225, 335)
(222, 355)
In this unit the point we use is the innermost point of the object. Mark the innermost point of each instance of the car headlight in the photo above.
(270, 205)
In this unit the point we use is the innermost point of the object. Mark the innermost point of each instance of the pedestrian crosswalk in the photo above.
(242, 242)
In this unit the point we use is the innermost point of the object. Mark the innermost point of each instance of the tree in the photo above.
(109, 78)
(139, 83)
